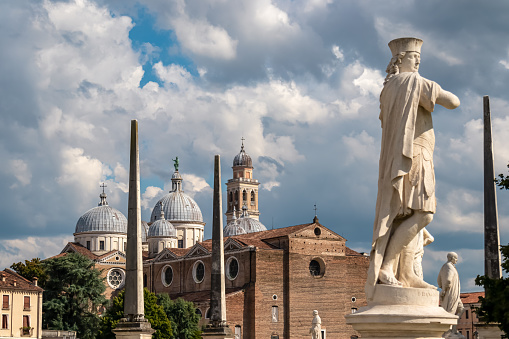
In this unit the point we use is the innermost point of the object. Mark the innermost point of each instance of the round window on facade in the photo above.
(317, 267)
(167, 275)
(318, 231)
(198, 271)
(232, 268)
(116, 278)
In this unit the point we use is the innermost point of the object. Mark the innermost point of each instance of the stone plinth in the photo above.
(402, 313)
(489, 331)
(133, 330)
(217, 332)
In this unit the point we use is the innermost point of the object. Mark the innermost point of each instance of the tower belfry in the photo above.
(242, 189)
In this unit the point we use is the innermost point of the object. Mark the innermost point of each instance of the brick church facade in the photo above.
(275, 279)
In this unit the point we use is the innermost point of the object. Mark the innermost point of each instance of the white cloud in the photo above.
(194, 184)
(337, 53)
(20, 170)
(150, 197)
(16, 250)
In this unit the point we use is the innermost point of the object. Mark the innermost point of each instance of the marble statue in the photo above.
(406, 183)
(316, 326)
(448, 280)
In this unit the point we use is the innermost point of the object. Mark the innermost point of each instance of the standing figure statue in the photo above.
(449, 281)
(316, 326)
(406, 182)
(176, 163)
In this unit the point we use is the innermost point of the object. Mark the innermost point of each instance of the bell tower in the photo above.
(242, 190)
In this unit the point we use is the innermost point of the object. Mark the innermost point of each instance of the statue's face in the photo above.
(410, 62)
(454, 259)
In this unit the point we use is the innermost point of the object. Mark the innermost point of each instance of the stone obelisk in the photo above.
(217, 327)
(134, 325)
(491, 232)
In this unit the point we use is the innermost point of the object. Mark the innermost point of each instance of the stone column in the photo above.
(491, 232)
(217, 327)
(134, 325)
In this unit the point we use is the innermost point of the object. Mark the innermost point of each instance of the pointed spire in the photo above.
(102, 196)
(242, 147)
(161, 210)
(245, 213)
(234, 216)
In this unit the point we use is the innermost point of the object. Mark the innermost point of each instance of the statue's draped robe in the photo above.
(316, 328)
(404, 98)
(449, 281)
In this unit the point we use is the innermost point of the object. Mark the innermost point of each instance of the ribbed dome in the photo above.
(245, 222)
(177, 205)
(242, 159)
(162, 227)
(102, 218)
(144, 231)
(233, 227)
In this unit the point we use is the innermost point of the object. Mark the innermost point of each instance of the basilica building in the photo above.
(274, 278)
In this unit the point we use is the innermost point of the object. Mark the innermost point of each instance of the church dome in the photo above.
(162, 227)
(233, 227)
(245, 222)
(177, 206)
(102, 218)
(144, 231)
(242, 159)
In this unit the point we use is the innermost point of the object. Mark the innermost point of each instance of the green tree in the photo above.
(182, 315)
(494, 307)
(31, 269)
(503, 181)
(154, 313)
(73, 294)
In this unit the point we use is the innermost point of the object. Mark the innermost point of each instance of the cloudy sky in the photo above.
(298, 79)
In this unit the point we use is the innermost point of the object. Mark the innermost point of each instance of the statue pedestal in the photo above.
(217, 332)
(402, 313)
(133, 330)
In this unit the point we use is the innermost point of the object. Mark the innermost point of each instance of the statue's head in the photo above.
(452, 257)
(406, 56)
(315, 312)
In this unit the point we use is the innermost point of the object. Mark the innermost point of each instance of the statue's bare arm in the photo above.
(448, 100)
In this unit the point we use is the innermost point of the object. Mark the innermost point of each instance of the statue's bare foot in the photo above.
(387, 277)
(416, 282)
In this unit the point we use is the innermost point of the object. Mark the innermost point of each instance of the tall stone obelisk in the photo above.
(217, 327)
(134, 325)
(491, 231)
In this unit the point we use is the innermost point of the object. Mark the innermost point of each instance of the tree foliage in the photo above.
(31, 269)
(154, 313)
(502, 181)
(182, 315)
(494, 306)
(73, 294)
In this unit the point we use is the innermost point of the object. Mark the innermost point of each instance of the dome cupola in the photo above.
(242, 159)
(103, 218)
(233, 228)
(161, 227)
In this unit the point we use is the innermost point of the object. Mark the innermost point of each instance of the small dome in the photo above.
(233, 228)
(144, 231)
(242, 159)
(162, 227)
(177, 206)
(245, 222)
(102, 218)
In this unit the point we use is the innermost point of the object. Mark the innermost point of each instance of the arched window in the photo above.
(236, 196)
(252, 197)
(231, 197)
(244, 195)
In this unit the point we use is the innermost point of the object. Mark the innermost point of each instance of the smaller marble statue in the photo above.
(176, 164)
(316, 326)
(448, 280)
